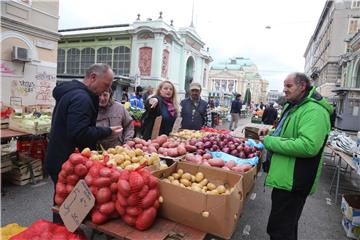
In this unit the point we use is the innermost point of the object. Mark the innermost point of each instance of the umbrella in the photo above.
(247, 98)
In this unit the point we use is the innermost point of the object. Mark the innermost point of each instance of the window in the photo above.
(104, 55)
(73, 61)
(353, 25)
(355, 4)
(61, 61)
(165, 64)
(87, 59)
(121, 61)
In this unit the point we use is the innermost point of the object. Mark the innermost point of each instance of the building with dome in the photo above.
(235, 76)
(144, 53)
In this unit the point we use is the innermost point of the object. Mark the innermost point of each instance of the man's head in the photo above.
(99, 78)
(195, 91)
(138, 91)
(295, 86)
(238, 96)
(150, 89)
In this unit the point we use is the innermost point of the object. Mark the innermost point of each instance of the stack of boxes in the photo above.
(356, 154)
(350, 209)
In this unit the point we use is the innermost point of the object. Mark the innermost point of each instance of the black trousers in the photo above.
(56, 216)
(286, 208)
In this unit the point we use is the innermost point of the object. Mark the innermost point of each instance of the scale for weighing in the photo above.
(347, 109)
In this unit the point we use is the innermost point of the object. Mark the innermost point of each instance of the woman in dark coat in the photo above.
(163, 103)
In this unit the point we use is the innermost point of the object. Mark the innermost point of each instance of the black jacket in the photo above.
(236, 106)
(193, 117)
(73, 124)
(150, 115)
(269, 116)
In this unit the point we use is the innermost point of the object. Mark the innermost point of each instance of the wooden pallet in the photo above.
(26, 181)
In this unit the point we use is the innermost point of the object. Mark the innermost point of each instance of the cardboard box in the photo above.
(249, 180)
(350, 230)
(350, 208)
(185, 206)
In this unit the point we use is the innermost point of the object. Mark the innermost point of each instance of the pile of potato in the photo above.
(197, 183)
(189, 134)
(125, 158)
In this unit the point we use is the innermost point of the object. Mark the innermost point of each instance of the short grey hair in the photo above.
(302, 78)
(98, 68)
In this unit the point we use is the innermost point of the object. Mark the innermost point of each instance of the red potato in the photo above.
(120, 209)
(230, 164)
(172, 152)
(72, 179)
(144, 191)
(205, 163)
(207, 156)
(181, 150)
(114, 187)
(216, 162)
(102, 182)
(123, 187)
(138, 141)
(98, 218)
(76, 158)
(130, 143)
(107, 208)
(68, 168)
(136, 182)
(150, 198)
(121, 200)
(162, 139)
(133, 200)
(166, 145)
(162, 150)
(173, 144)
(59, 199)
(151, 149)
(190, 148)
(81, 170)
(146, 218)
(103, 195)
(105, 172)
(190, 157)
(138, 146)
(133, 211)
(129, 220)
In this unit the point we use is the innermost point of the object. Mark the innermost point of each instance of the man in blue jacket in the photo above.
(194, 110)
(74, 118)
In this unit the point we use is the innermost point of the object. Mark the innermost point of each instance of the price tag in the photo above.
(76, 206)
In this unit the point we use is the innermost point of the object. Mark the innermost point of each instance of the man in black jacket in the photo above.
(235, 112)
(74, 118)
(270, 115)
(194, 110)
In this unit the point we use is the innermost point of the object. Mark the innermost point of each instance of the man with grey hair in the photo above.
(74, 118)
(294, 157)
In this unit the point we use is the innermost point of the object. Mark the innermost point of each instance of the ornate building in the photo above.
(235, 76)
(147, 52)
(28, 51)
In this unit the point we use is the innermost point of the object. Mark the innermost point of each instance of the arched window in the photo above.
(87, 59)
(121, 61)
(104, 55)
(61, 61)
(73, 61)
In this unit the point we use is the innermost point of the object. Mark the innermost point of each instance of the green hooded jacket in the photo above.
(297, 153)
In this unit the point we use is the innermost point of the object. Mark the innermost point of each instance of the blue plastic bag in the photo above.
(227, 157)
(252, 143)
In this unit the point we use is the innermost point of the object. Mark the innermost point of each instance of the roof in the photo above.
(234, 64)
(97, 29)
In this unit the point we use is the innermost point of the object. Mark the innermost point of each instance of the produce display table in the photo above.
(340, 157)
(8, 133)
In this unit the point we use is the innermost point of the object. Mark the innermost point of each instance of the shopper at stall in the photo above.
(148, 93)
(74, 118)
(235, 111)
(163, 103)
(295, 154)
(195, 112)
(270, 114)
(112, 113)
(137, 100)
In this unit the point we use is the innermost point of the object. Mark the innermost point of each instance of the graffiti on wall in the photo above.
(21, 88)
(45, 83)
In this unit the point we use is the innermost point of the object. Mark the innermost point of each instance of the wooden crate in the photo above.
(25, 170)
(17, 125)
(7, 159)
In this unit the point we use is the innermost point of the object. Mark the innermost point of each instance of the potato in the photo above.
(211, 186)
(139, 152)
(199, 177)
(111, 150)
(204, 188)
(186, 176)
(196, 188)
(204, 182)
(186, 182)
(192, 178)
(119, 149)
(214, 192)
(176, 182)
(182, 185)
(196, 184)
(221, 189)
(227, 192)
(135, 159)
(176, 176)
(180, 172)
(171, 178)
(166, 180)
(127, 163)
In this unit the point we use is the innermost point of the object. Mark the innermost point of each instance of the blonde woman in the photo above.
(163, 103)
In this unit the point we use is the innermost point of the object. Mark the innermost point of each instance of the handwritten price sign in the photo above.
(76, 206)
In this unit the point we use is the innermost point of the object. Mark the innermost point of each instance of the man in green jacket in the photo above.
(295, 154)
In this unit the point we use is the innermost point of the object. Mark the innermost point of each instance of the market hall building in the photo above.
(142, 53)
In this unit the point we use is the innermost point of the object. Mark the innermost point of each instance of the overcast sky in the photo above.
(230, 28)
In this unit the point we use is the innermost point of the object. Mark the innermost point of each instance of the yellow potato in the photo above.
(176, 182)
(111, 150)
(199, 177)
(185, 182)
(176, 176)
(221, 189)
(186, 176)
(171, 178)
(204, 182)
(211, 186)
(127, 163)
(139, 152)
(180, 172)
(214, 192)
(135, 159)
(196, 188)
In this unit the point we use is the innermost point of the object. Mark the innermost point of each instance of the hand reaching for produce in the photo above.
(153, 102)
(116, 130)
(263, 131)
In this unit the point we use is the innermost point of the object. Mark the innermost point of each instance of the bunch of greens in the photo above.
(136, 113)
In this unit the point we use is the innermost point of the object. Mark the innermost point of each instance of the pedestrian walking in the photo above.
(235, 112)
